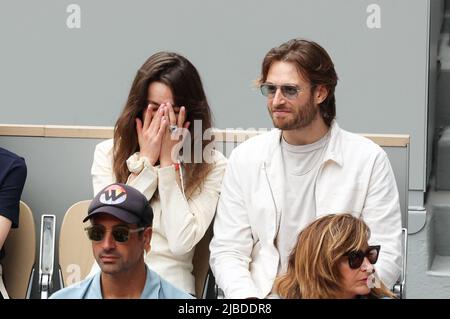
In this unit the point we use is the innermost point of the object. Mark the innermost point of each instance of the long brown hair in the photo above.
(182, 78)
(313, 63)
(313, 270)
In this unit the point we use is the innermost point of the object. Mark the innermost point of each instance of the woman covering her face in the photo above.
(160, 147)
(332, 259)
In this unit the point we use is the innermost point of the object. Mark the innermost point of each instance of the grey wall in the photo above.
(51, 74)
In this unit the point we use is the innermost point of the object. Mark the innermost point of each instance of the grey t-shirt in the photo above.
(301, 165)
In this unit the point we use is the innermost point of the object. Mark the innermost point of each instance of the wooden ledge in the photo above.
(104, 132)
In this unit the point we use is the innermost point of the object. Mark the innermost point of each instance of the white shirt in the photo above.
(355, 176)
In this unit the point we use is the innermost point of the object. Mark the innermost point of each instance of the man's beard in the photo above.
(303, 115)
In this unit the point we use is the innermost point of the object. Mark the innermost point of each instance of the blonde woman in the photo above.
(332, 259)
(166, 98)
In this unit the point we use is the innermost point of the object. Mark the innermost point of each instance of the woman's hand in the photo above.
(151, 132)
(170, 140)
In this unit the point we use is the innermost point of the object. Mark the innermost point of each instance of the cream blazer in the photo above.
(178, 225)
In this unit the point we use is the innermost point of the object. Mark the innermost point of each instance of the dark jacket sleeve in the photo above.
(11, 189)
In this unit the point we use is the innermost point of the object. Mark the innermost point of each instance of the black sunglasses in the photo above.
(120, 233)
(356, 258)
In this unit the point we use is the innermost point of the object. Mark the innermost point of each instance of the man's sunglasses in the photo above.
(120, 233)
(288, 91)
(356, 258)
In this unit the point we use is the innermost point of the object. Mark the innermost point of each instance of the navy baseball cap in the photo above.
(124, 202)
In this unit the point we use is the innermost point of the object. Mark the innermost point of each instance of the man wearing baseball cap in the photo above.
(120, 231)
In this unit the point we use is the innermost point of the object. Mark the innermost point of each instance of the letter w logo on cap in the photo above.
(113, 195)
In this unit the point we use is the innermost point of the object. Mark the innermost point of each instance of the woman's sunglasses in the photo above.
(120, 233)
(356, 258)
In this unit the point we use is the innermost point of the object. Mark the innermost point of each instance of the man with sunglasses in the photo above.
(120, 231)
(278, 182)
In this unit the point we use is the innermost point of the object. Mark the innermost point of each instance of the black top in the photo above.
(13, 173)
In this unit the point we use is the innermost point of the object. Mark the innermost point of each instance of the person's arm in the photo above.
(232, 244)
(185, 222)
(102, 172)
(382, 214)
(146, 180)
(10, 193)
(5, 226)
(149, 133)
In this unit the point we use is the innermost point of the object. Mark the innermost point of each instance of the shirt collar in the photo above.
(94, 289)
(152, 285)
(151, 288)
(334, 149)
(332, 153)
